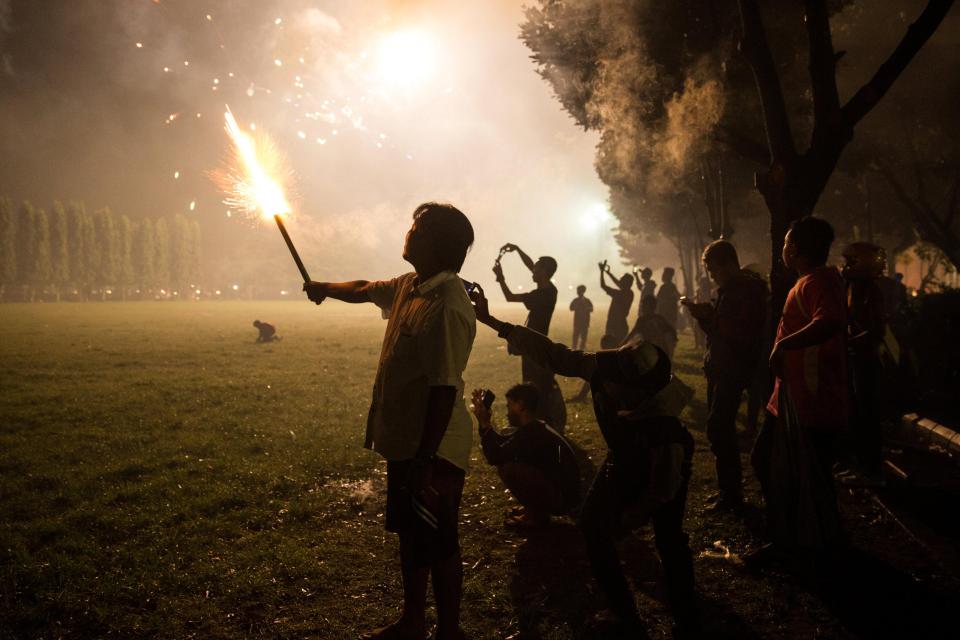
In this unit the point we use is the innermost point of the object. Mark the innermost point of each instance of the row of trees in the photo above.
(71, 253)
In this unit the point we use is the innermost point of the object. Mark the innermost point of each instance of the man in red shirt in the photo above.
(794, 450)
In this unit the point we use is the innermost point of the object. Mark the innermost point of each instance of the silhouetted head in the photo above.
(807, 244)
(721, 261)
(646, 274)
(898, 276)
(863, 261)
(543, 269)
(633, 373)
(582, 289)
(439, 238)
(668, 273)
(256, 323)
(648, 306)
(626, 281)
(522, 402)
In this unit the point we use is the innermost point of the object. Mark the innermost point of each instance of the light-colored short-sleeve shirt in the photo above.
(430, 331)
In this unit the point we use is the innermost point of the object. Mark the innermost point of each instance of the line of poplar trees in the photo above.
(70, 253)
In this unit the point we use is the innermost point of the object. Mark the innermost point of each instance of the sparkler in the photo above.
(257, 188)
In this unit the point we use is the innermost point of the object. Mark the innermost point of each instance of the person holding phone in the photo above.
(536, 464)
(734, 326)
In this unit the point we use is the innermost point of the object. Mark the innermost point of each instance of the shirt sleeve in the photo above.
(382, 292)
(553, 355)
(444, 346)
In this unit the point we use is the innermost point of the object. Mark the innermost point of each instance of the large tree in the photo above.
(59, 249)
(161, 245)
(77, 222)
(8, 247)
(668, 84)
(126, 277)
(107, 248)
(144, 256)
(26, 228)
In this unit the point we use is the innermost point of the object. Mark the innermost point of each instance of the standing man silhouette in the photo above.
(621, 297)
(540, 304)
(582, 308)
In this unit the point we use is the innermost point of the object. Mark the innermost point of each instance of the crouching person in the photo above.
(536, 464)
(647, 468)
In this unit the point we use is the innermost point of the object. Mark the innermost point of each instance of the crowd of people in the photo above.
(419, 421)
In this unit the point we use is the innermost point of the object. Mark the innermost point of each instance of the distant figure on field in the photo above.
(621, 297)
(668, 297)
(418, 420)
(582, 308)
(653, 327)
(535, 462)
(268, 332)
(540, 304)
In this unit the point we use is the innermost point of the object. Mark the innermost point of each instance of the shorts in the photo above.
(430, 545)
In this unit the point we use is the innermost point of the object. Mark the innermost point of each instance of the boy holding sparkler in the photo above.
(418, 420)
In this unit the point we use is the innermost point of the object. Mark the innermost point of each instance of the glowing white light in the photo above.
(278, 21)
(235, 287)
(283, 293)
(278, 62)
(218, 292)
(193, 205)
(595, 217)
(176, 175)
(139, 45)
(405, 59)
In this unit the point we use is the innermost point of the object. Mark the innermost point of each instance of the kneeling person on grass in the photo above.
(535, 462)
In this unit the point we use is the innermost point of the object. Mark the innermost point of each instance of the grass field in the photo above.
(163, 476)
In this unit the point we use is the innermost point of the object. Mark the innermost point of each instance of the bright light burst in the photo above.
(594, 217)
(406, 59)
(254, 181)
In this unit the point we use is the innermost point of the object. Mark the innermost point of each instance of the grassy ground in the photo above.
(163, 476)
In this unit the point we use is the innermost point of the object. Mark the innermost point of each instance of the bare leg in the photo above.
(412, 623)
(447, 589)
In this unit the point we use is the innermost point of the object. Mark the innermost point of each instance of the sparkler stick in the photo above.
(293, 250)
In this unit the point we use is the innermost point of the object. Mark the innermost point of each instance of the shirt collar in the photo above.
(433, 282)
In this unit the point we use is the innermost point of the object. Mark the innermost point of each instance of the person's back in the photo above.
(621, 299)
(668, 297)
(735, 342)
(540, 304)
(267, 332)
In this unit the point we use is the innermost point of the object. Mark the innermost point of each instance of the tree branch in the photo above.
(744, 146)
(755, 47)
(917, 35)
(823, 76)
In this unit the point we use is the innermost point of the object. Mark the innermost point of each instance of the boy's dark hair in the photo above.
(549, 264)
(526, 394)
(626, 280)
(721, 252)
(668, 272)
(646, 273)
(581, 289)
(813, 237)
(450, 231)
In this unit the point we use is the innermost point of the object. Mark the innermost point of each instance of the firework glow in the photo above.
(254, 182)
